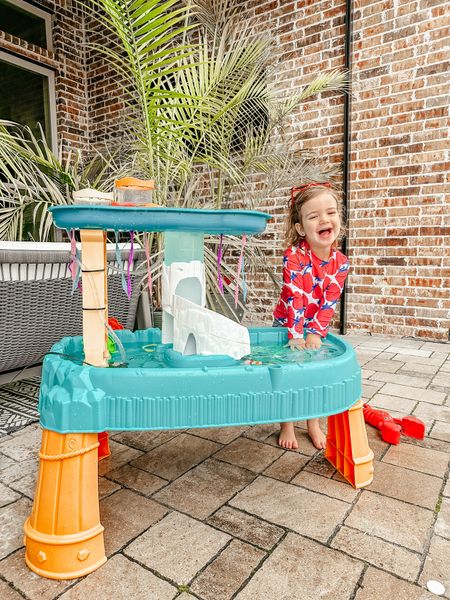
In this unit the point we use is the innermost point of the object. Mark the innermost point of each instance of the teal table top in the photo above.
(121, 218)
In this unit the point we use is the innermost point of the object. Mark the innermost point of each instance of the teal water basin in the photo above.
(272, 384)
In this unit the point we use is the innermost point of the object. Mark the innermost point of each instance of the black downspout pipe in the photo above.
(347, 148)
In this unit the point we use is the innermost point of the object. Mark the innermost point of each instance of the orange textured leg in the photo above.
(347, 447)
(63, 535)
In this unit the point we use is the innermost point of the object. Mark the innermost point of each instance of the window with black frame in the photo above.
(28, 95)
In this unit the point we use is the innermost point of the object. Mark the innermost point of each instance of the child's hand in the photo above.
(296, 344)
(313, 341)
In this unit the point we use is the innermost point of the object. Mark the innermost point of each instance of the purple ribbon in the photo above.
(219, 261)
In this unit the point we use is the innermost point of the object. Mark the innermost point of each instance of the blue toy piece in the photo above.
(81, 398)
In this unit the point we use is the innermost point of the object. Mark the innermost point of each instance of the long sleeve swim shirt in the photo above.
(311, 290)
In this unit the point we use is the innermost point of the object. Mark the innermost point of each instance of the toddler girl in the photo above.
(314, 272)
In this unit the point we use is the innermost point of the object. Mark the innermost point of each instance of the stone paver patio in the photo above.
(224, 513)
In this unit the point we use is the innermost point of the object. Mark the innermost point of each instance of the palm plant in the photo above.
(203, 119)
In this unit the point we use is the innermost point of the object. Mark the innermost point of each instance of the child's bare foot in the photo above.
(318, 438)
(287, 437)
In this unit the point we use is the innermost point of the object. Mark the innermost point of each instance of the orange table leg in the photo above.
(347, 446)
(63, 535)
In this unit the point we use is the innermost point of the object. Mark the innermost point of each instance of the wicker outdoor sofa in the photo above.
(36, 305)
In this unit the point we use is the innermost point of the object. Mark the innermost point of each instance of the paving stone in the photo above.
(249, 454)
(417, 369)
(407, 485)
(388, 366)
(120, 455)
(6, 462)
(138, 480)
(261, 432)
(441, 380)
(246, 527)
(376, 443)
(124, 515)
(325, 485)
(7, 495)
(24, 446)
(398, 378)
(221, 435)
(290, 506)
(378, 585)
(409, 352)
(205, 488)
(145, 440)
(442, 525)
(12, 518)
(430, 443)
(15, 471)
(441, 431)
(446, 491)
(375, 344)
(7, 593)
(321, 466)
(443, 348)
(369, 389)
(377, 552)
(393, 403)
(429, 413)
(366, 373)
(437, 563)
(413, 457)
(285, 467)
(26, 485)
(106, 487)
(177, 547)
(418, 361)
(225, 575)
(299, 568)
(121, 579)
(413, 393)
(14, 569)
(364, 356)
(391, 520)
(176, 456)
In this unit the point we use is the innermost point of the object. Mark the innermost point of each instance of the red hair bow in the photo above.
(302, 188)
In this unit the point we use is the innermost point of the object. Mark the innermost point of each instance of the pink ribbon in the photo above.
(239, 269)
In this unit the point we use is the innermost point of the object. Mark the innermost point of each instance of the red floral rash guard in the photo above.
(311, 290)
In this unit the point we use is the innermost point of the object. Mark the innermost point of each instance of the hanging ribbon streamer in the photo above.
(219, 262)
(244, 283)
(130, 262)
(75, 262)
(239, 269)
(76, 283)
(120, 263)
(147, 256)
(73, 253)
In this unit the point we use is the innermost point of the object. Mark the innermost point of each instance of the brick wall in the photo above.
(398, 212)
(399, 230)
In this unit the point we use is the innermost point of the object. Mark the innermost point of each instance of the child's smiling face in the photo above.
(320, 223)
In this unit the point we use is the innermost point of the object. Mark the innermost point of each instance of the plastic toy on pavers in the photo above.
(200, 370)
(391, 428)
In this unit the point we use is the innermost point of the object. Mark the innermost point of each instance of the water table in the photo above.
(175, 378)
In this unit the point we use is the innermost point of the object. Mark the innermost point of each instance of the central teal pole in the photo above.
(186, 250)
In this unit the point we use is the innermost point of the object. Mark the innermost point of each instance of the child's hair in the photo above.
(299, 197)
